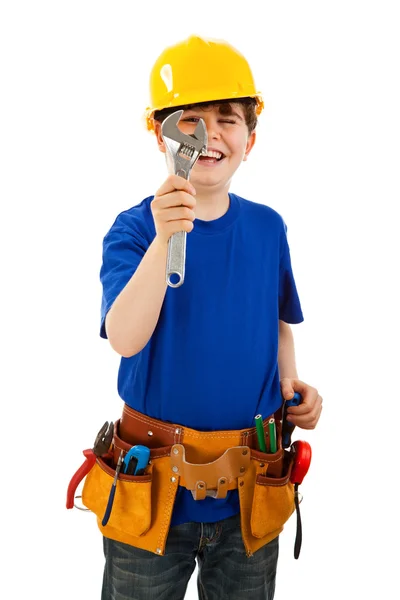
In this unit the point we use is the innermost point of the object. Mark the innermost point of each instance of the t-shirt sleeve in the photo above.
(289, 303)
(123, 250)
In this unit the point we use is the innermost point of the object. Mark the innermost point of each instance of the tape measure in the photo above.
(301, 461)
(301, 464)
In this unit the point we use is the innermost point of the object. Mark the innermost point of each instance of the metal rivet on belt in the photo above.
(262, 465)
(150, 433)
(173, 479)
(175, 469)
(158, 550)
(241, 483)
(177, 431)
(223, 481)
(242, 469)
(175, 451)
(244, 452)
(200, 485)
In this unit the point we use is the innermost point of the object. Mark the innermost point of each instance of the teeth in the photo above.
(211, 154)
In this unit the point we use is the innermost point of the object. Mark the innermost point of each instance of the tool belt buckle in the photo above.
(214, 478)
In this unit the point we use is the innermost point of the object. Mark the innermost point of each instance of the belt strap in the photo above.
(137, 428)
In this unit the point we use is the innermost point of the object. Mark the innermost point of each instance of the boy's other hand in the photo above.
(307, 414)
(173, 207)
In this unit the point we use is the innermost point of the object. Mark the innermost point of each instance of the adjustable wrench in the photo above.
(182, 153)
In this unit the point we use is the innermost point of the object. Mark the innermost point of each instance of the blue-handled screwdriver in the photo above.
(287, 427)
(112, 491)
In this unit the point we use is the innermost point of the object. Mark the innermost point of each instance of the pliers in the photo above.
(101, 447)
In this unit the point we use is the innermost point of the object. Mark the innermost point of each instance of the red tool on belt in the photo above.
(301, 464)
(101, 447)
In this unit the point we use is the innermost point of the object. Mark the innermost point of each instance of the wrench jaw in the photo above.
(183, 150)
(200, 133)
(170, 129)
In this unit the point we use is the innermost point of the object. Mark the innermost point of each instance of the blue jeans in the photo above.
(224, 570)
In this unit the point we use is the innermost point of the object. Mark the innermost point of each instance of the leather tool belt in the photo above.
(208, 463)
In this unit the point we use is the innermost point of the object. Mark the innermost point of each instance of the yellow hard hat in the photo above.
(197, 70)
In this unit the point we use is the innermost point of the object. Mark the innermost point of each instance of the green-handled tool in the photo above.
(272, 435)
(260, 433)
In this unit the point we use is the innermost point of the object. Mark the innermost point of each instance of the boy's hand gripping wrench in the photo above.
(182, 153)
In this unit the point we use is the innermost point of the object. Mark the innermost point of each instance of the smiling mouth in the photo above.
(211, 157)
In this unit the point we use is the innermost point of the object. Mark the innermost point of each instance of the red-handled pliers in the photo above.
(100, 448)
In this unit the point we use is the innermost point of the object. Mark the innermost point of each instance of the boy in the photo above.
(208, 356)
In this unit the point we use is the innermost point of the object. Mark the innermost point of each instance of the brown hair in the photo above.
(224, 107)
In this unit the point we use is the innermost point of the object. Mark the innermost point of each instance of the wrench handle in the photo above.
(176, 258)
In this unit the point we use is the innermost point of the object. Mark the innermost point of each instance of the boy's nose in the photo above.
(213, 130)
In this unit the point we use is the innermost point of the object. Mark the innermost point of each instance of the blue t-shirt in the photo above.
(212, 361)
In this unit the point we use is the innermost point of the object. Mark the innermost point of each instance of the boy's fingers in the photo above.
(287, 390)
(175, 182)
(175, 199)
(301, 409)
(308, 420)
(311, 402)
(300, 387)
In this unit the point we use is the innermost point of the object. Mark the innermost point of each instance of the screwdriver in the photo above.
(112, 491)
(287, 427)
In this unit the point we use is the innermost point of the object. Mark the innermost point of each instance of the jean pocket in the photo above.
(131, 509)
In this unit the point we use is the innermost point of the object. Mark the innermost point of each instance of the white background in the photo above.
(75, 153)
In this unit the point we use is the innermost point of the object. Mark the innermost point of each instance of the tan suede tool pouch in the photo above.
(142, 507)
(131, 511)
(266, 498)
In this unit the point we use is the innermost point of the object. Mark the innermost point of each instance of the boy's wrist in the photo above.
(160, 243)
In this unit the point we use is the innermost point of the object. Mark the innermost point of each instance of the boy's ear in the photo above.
(160, 141)
(251, 140)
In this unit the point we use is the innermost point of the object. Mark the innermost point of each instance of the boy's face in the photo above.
(229, 143)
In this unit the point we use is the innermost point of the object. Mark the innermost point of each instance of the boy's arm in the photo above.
(133, 317)
(286, 355)
(134, 314)
(307, 414)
